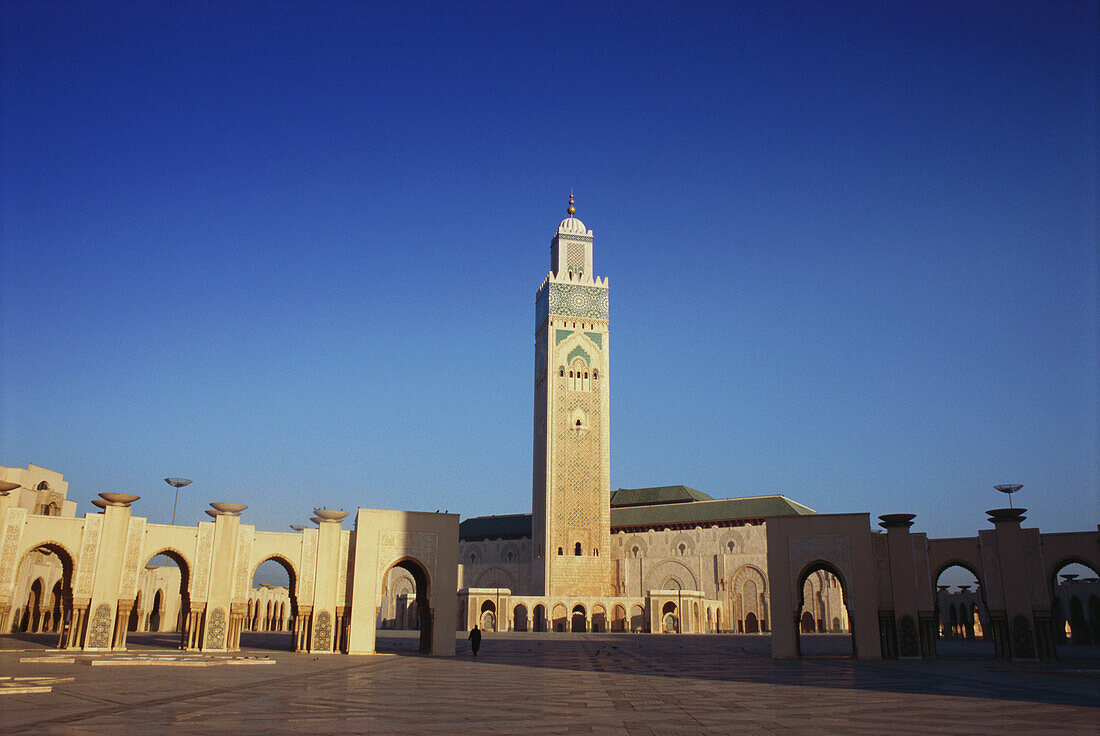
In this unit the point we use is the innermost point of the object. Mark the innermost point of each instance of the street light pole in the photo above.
(1008, 489)
(176, 483)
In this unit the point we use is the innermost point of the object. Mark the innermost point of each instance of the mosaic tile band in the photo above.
(574, 300)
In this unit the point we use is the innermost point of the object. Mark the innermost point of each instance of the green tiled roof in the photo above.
(703, 512)
(670, 509)
(508, 526)
(658, 495)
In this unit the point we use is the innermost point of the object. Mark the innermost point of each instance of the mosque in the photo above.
(667, 559)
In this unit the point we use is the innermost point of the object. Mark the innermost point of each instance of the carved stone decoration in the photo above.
(495, 577)
(322, 631)
(421, 546)
(669, 570)
(216, 627)
(804, 550)
(127, 586)
(13, 532)
(202, 562)
(99, 630)
(342, 578)
(308, 566)
(89, 553)
(908, 642)
(241, 584)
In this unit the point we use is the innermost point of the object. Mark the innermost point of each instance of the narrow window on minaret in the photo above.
(577, 549)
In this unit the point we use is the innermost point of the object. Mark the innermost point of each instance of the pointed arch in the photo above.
(423, 597)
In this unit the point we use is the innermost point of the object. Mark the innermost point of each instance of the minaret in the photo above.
(571, 489)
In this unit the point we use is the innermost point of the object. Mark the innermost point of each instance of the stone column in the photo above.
(1015, 626)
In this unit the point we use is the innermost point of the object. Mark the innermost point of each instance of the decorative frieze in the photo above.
(308, 566)
(242, 584)
(9, 549)
(342, 577)
(127, 587)
(421, 546)
(89, 554)
(205, 545)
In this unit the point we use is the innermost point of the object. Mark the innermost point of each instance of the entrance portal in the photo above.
(423, 611)
(822, 592)
(579, 624)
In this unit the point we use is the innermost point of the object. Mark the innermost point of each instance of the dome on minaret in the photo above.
(573, 226)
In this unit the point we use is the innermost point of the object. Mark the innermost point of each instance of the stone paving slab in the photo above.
(633, 685)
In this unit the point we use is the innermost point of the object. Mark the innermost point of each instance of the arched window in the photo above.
(577, 549)
(578, 376)
(729, 546)
(596, 552)
(473, 558)
(683, 549)
(561, 551)
(635, 550)
(43, 486)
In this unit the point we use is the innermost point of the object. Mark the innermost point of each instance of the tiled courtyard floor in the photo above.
(555, 684)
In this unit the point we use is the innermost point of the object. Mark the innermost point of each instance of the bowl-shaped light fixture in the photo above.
(229, 508)
(119, 499)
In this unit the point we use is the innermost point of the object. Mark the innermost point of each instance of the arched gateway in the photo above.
(336, 574)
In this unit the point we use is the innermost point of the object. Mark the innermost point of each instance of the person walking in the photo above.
(475, 639)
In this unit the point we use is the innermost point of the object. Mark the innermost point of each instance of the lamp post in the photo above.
(1008, 489)
(176, 483)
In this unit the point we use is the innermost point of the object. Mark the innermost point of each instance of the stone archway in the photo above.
(538, 617)
(187, 621)
(954, 612)
(300, 624)
(60, 608)
(618, 618)
(578, 620)
(806, 622)
(423, 599)
(519, 618)
(487, 618)
(1075, 608)
(599, 618)
(751, 624)
(558, 613)
(670, 618)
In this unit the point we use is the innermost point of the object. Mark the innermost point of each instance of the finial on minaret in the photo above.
(572, 210)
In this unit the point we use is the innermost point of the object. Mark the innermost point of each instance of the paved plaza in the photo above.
(544, 684)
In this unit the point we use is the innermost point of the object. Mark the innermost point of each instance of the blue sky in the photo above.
(290, 250)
